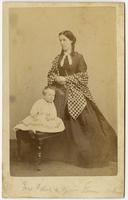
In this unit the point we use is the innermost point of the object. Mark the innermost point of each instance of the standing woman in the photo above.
(93, 139)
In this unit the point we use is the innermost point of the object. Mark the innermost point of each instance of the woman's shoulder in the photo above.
(79, 55)
(80, 59)
(58, 55)
(56, 59)
(75, 55)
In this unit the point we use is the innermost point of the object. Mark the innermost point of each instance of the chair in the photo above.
(36, 142)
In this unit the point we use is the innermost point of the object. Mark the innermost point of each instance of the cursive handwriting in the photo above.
(41, 187)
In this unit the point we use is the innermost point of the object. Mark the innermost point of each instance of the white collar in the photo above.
(69, 59)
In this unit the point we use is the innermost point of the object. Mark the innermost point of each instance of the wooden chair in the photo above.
(36, 142)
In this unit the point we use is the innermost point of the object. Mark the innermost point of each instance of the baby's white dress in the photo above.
(42, 118)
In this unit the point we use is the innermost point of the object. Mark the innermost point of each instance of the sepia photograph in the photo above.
(63, 100)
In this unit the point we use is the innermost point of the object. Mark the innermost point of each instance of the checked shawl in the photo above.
(76, 85)
(76, 98)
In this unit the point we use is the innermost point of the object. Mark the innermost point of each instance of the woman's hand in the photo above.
(60, 79)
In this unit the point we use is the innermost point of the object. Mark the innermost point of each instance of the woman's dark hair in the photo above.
(46, 88)
(70, 36)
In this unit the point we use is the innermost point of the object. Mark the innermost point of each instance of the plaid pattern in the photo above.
(80, 81)
(54, 71)
(76, 101)
(77, 88)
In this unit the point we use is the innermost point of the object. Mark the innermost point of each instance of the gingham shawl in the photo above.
(76, 85)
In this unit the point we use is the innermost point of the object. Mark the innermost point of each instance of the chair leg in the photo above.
(39, 154)
(33, 148)
(18, 137)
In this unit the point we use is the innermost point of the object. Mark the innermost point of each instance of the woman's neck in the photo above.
(68, 51)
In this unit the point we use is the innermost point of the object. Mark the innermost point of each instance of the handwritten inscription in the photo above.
(41, 187)
(61, 190)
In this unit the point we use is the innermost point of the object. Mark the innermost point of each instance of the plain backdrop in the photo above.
(126, 90)
(33, 44)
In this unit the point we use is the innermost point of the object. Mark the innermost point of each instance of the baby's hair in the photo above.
(46, 88)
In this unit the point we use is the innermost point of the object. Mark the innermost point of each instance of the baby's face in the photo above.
(50, 95)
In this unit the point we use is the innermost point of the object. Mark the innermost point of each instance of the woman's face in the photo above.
(66, 43)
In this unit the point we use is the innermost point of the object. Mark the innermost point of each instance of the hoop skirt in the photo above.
(95, 139)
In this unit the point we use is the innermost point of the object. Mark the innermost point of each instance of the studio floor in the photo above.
(25, 167)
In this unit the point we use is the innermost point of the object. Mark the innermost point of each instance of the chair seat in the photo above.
(43, 136)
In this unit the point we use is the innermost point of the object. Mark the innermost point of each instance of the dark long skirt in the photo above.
(87, 141)
(94, 138)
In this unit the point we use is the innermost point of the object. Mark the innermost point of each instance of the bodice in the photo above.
(67, 69)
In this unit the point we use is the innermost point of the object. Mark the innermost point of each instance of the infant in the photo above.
(43, 115)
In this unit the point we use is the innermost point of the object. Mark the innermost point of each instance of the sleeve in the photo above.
(82, 67)
(53, 71)
(81, 77)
